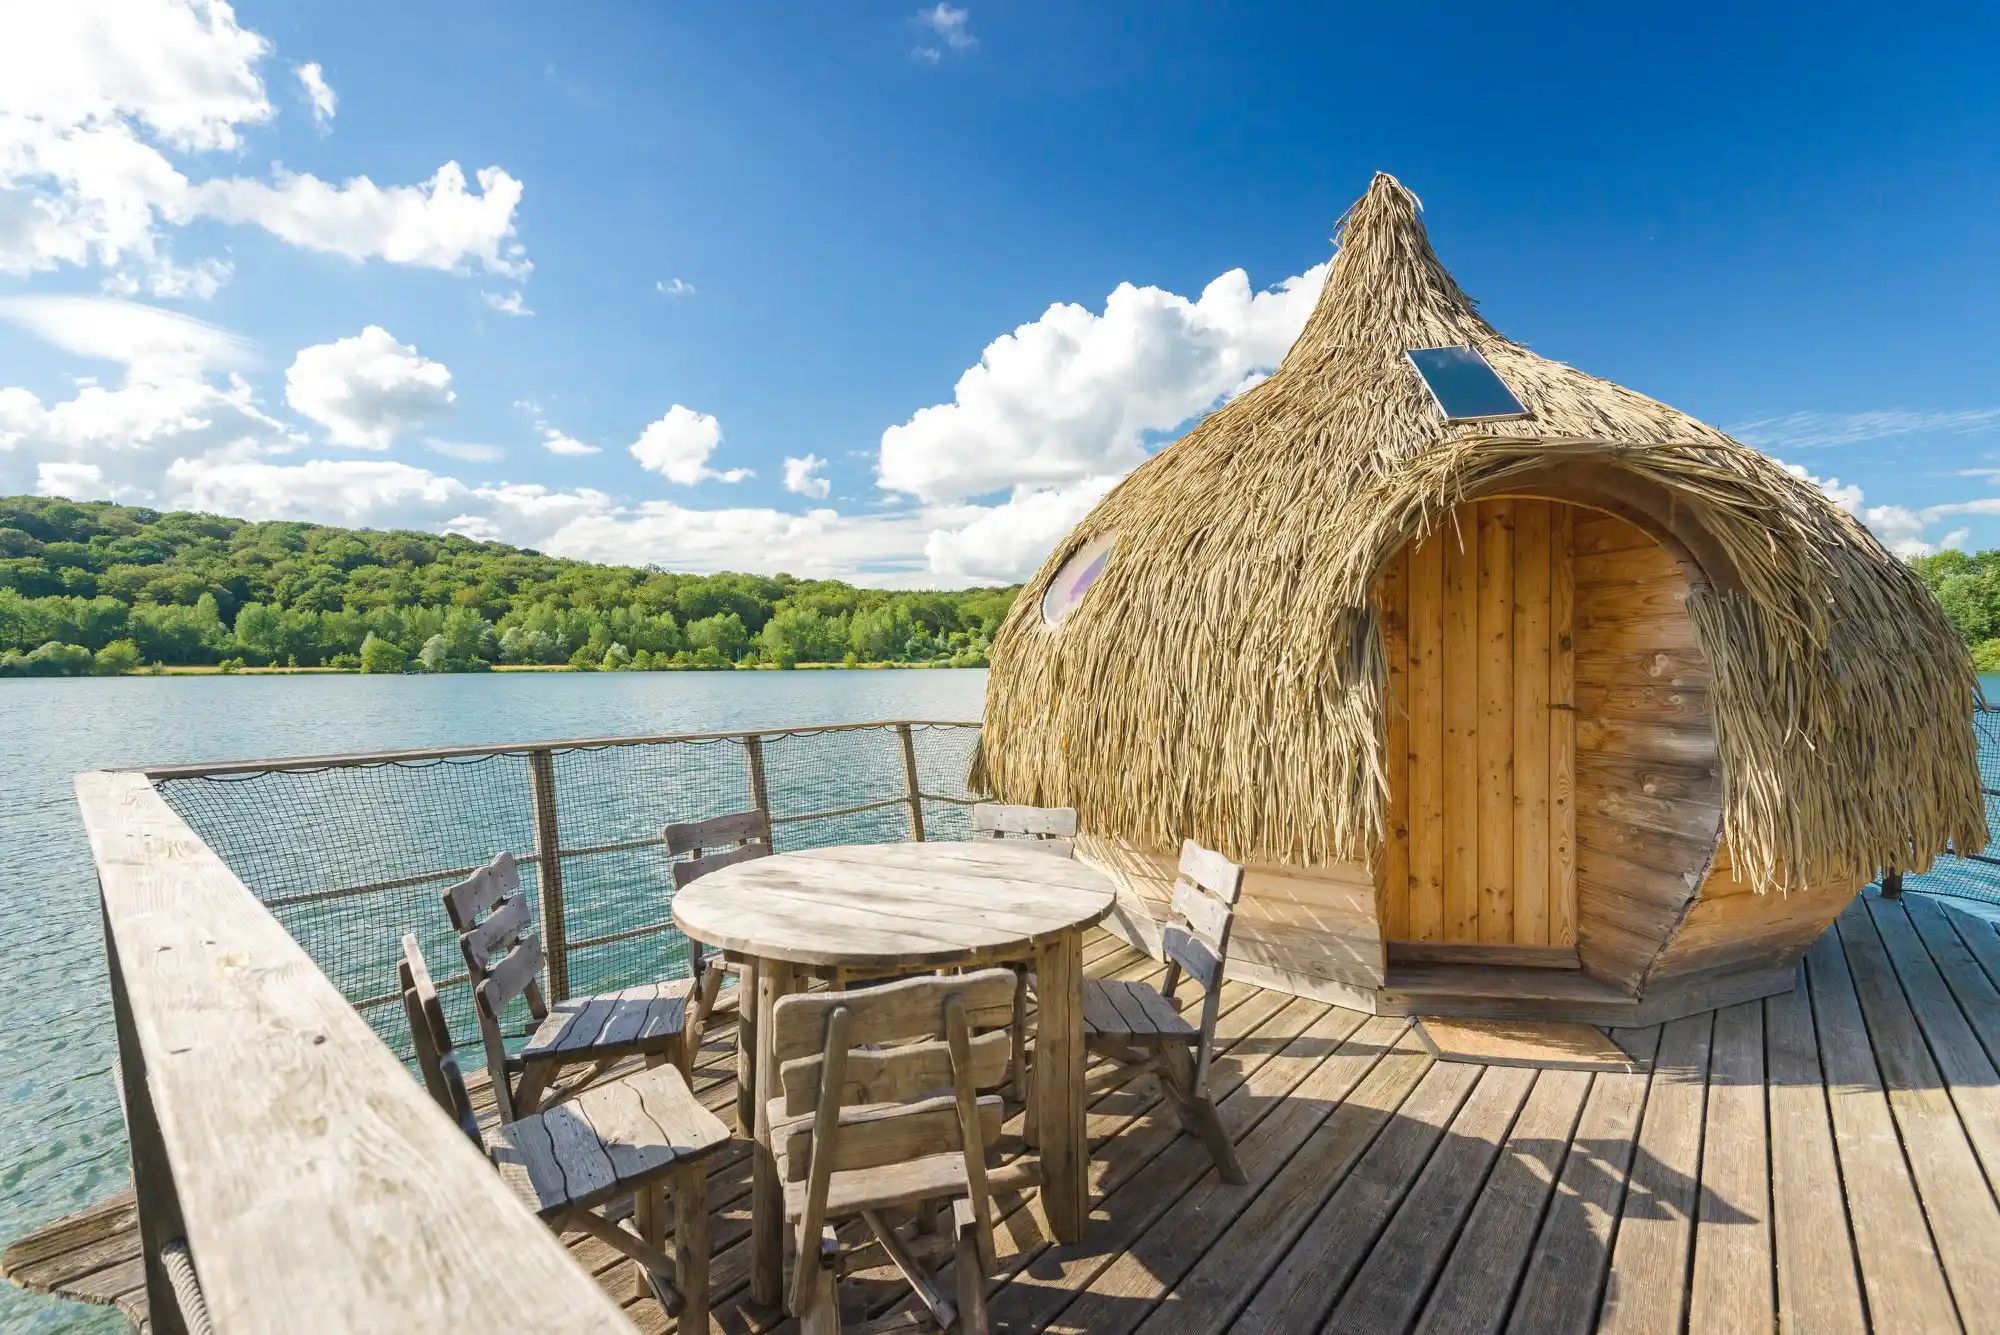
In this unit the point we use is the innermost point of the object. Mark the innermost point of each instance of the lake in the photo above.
(62, 1140)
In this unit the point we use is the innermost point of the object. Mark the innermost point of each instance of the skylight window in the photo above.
(1464, 386)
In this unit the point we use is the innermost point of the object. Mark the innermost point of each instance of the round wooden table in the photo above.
(910, 906)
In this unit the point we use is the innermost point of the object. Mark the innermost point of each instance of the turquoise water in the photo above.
(61, 1136)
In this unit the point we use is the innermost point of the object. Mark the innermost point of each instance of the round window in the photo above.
(1081, 571)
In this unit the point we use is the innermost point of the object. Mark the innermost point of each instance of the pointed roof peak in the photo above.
(1388, 287)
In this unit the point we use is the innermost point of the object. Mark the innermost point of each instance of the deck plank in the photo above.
(1647, 1287)
(1941, 1158)
(1389, 1290)
(1573, 1250)
(1900, 1275)
(1818, 1287)
(1732, 1289)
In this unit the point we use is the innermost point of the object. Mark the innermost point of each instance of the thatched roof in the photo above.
(1225, 679)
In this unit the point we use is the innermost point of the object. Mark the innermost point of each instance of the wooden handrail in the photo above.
(209, 770)
(316, 1186)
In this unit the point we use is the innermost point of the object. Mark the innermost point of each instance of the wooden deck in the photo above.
(1825, 1161)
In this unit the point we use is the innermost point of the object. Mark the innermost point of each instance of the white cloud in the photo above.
(1900, 528)
(320, 97)
(372, 492)
(513, 303)
(1075, 394)
(1800, 431)
(438, 224)
(102, 104)
(801, 477)
(818, 544)
(950, 27)
(678, 445)
(367, 389)
(675, 287)
(555, 442)
(152, 344)
(1008, 542)
(470, 451)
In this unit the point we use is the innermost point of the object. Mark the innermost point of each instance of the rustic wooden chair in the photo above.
(641, 1136)
(880, 1110)
(1140, 1030)
(737, 837)
(504, 960)
(1050, 829)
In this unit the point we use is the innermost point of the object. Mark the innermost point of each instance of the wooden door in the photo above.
(1478, 623)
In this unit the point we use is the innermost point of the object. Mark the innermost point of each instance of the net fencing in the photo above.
(353, 853)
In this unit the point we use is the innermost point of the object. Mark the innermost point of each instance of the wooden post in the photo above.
(1057, 1086)
(753, 754)
(767, 1193)
(1892, 883)
(916, 795)
(548, 870)
(152, 1176)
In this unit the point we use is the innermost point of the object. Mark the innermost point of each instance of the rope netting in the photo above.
(353, 855)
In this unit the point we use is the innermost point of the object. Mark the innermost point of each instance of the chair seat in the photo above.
(647, 1018)
(609, 1139)
(1133, 1012)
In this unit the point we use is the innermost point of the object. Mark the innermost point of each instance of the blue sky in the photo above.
(894, 293)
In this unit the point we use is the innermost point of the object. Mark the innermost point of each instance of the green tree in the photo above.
(723, 633)
(117, 658)
(380, 655)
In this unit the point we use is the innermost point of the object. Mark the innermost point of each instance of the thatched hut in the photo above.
(1592, 713)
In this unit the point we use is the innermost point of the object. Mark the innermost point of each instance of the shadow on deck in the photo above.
(1800, 1162)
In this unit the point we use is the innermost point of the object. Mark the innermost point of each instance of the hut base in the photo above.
(1312, 932)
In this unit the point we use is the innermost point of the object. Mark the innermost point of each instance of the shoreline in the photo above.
(214, 670)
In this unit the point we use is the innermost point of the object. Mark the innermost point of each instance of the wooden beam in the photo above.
(548, 870)
(1495, 668)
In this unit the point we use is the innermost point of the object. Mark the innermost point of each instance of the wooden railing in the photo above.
(290, 1175)
(283, 1159)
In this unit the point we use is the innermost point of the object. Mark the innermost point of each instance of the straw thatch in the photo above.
(1225, 680)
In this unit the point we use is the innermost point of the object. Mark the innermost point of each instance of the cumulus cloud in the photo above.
(470, 451)
(675, 287)
(1007, 542)
(945, 28)
(512, 303)
(802, 479)
(1900, 527)
(320, 97)
(1077, 394)
(152, 344)
(368, 389)
(555, 442)
(103, 105)
(677, 447)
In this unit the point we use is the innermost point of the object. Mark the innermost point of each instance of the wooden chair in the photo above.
(1140, 1029)
(737, 837)
(880, 1109)
(504, 960)
(641, 1135)
(1052, 829)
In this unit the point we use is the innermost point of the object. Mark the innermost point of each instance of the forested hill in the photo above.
(89, 586)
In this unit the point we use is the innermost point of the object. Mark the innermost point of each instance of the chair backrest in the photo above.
(431, 1037)
(1049, 828)
(908, 1059)
(737, 837)
(1196, 937)
(503, 957)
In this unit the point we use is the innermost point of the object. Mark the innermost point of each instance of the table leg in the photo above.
(767, 1194)
(746, 1049)
(691, 1245)
(1057, 1087)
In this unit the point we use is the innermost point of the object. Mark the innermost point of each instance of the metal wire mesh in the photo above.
(352, 855)
(1974, 877)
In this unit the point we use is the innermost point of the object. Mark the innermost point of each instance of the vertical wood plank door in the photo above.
(1477, 623)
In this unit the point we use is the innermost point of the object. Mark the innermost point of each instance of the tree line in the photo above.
(96, 587)
(1967, 587)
